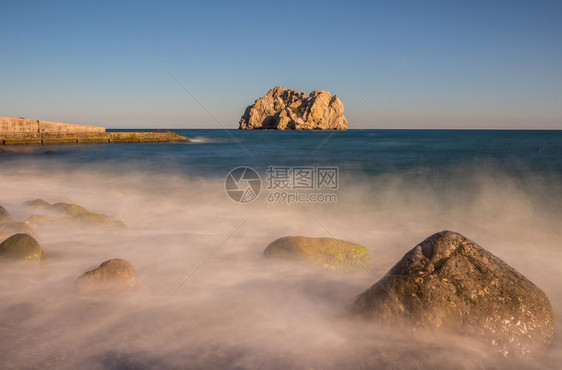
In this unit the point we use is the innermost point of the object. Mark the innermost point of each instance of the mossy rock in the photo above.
(38, 204)
(114, 275)
(22, 247)
(4, 215)
(327, 252)
(72, 210)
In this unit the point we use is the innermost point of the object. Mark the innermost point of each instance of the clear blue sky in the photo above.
(473, 64)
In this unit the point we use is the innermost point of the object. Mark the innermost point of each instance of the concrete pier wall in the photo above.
(22, 125)
(14, 131)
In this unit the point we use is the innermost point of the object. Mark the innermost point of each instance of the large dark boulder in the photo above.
(4, 215)
(22, 247)
(327, 252)
(448, 282)
(114, 276)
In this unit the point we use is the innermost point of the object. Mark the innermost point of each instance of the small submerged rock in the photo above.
(4, 215)
(50, 152)
(327, 252)
(34, 221)
(82, 216)
(114, 276)
(9, 229)
(99, 219)
(22, 247)
(72, 210)
(448, 282)
(38, 204)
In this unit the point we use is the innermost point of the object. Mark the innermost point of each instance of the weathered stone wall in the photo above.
(25, 131)
(21, 125)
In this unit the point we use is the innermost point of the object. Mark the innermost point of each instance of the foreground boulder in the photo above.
(22, 247)
(115, 275)
(286, 109)
(4, 215)
(448, 282)
(327, 252)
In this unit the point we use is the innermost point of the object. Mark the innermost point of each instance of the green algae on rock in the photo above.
(113, 276)
(327, 252)
(22, 247)
(448, 282)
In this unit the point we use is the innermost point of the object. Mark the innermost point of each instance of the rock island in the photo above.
(286, 109)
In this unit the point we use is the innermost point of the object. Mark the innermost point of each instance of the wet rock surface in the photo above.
(448, 282)
(21, 247)
(326, 252)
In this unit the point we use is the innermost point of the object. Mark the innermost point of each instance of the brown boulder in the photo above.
(114, 275)
(22, 247)
(448, 282)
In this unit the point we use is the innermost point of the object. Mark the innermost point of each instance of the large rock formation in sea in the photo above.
(448, 282)
(286, 109)
(326, 252)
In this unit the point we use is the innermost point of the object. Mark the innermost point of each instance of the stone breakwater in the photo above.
(26, 131)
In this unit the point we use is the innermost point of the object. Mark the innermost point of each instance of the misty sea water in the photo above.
(198, 255)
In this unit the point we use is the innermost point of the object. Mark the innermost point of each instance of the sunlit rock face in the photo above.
(112, 276)
(448, 282)
(286, 109)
